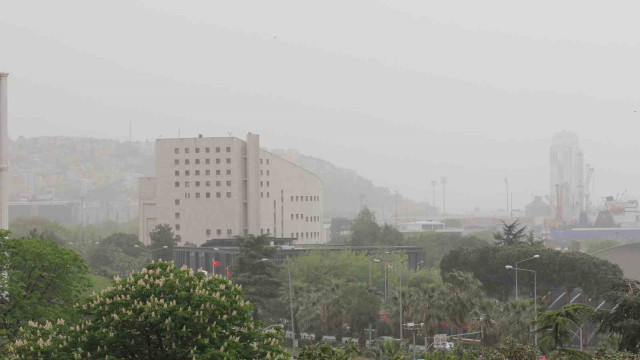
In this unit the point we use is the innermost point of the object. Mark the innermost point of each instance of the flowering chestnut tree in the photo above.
(162, 312)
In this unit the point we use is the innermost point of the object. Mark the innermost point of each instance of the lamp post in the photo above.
(535, 298)
(370, 261)
(414, 327)
(150, 251)
(293, 327)
(516, 267)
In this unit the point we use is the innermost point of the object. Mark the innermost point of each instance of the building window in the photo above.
(208, 183)
(260, 183)
(187, 172)
(176, 150)
(219, 232)
(177, 172)
(177, 184)
(207, 172)
(187, 195)
(218, 183)
(261, 231)
(197, 195)
(296, 197)
(229, 232)
(207, 150)
(218, 172)
(177, 215)
(207, 161)
(292, 235)
(306, 198)
(261, 194)
(177, 201)
(267, 194)
(186, 161)
(260, 161)
(208, 232)
(197, 183)
(261, 172)
(297, 215)
(208, 195)
(267, 161)
(197, 150)
(197, 161)
(217, 160)
(228, 160)
(267, 184)
(228, 172)
(228, 194)
(267, 172)
(218, 194)
(176, 162)
(177, 227)
(186, 150)
(228, 182)
(218, 149)
(292, 218)
(228, 149)
(197, 172)
(291, 197)
(187, 184)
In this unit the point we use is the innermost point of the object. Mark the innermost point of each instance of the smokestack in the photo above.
(4, 161)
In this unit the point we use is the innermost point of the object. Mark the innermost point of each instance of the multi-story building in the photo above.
(567, 175)
(221, 187)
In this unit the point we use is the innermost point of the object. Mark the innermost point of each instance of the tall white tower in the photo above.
(567, 174)
(4, 161)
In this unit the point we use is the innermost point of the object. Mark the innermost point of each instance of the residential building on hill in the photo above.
(210, 188)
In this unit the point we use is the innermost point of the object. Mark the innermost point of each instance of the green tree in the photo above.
(42, 281)
(624, 317)
(118, 254)
(436, 245)
(556, 324)
(426, 301)
(259, 278)
(161, 312)
(161, 236)
(365, 229)
(511, 234)
(326, 352)
(362, 309)
(463, 296)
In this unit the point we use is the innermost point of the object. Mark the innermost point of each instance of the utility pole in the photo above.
(443, 181)
(506, 184)
(396, 209)
(511, 207)
(433, 192)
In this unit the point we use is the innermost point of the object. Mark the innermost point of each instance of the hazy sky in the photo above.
(401, 91)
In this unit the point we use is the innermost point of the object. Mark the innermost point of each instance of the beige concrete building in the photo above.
(218, 188)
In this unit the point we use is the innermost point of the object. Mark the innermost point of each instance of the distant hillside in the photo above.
(101, 170)
(346, 191)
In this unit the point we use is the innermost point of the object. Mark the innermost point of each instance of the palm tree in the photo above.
(426, 305)
(463, 292)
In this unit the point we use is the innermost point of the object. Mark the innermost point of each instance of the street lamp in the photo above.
(535, 297)
(518, 262)
(293, 328)
(414, 327)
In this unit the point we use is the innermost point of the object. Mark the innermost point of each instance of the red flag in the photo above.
(216, 263)
(228, 272)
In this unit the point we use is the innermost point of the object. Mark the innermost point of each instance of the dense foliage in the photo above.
(161, 236)
(557, 269)
(624, 316)
(42, 281)
(161, 312)
(365, 231)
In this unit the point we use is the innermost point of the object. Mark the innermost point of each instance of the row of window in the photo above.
(262, 172)
(206, 183)
(262, 183)
(197, 150)
(261, 161)
(305, 198)
(207, 195)
(208, 231)
(306, 235)
(197, 172)
(268, 232)
(207, 161)
(306, 218)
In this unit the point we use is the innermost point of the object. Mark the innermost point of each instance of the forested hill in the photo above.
(345, 191)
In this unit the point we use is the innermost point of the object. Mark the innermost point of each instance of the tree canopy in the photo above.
(43, 281)
(162, 235)
(161, 312)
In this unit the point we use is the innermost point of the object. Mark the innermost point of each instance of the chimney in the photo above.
(4, 161)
